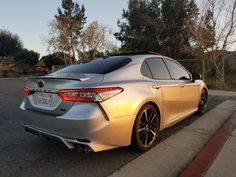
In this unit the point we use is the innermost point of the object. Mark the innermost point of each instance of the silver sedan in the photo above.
(112, 102)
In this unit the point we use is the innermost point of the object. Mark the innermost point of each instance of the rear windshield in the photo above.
(98, 66)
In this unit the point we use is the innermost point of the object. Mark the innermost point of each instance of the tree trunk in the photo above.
(220, 75)
(70, 58)
(73, 53)
(64, 57)
(94, 54)
(219, 69)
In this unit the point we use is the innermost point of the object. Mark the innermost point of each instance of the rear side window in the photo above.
(158, 68)
(98, 66)
(145, 70)
(177, 72)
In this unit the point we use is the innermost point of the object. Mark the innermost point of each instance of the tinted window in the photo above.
(145, 70)
(98, 66)
(177, 71)
(158, 68)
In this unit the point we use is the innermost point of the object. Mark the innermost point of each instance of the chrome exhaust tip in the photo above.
(83, 148)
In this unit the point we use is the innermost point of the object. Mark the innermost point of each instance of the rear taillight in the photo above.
(27, 91)
(89, 94)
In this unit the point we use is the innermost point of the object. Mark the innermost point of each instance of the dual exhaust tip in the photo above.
(71, 145)
(83, 148)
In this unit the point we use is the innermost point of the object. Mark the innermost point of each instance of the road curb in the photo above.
(207, 155)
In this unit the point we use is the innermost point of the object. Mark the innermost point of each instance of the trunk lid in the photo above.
(44, 91)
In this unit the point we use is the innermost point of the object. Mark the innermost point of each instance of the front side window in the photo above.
(158, 68)
(176, 71)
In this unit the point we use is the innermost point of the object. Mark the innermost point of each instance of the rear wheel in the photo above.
(203, 102)
(146, 128)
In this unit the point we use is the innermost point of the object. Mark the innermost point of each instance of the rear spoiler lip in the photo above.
(56, 78)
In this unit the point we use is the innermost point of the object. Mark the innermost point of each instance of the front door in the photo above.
(189, 91)
(189, 96)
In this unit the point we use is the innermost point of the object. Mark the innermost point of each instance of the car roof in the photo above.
(133, 53)
(137, 57)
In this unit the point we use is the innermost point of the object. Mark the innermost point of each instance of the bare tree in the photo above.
(94, 39)
(214, 33)
(55, 42)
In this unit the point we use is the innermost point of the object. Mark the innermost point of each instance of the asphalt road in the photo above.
(23, 154)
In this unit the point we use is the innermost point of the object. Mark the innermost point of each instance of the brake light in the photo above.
(90, 94)
(27, 91)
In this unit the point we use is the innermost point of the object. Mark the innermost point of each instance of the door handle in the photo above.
(181, 85)
(156, 86)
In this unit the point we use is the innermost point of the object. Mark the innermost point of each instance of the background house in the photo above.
(6, 65)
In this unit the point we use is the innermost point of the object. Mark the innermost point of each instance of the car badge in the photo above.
(41, 83)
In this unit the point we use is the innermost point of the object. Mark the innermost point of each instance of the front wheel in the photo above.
(203, 102)
(146, 128)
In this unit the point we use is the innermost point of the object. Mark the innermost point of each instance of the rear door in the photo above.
(169, 88)
(189, 91)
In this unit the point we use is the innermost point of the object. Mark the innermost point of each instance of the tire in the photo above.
(146, 128)
(203, 102)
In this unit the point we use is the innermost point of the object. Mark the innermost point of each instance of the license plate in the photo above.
(45, 99)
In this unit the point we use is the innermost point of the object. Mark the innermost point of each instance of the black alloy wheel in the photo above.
(203, 102)
(146, 128)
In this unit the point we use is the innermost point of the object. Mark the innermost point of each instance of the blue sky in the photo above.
(29, 18)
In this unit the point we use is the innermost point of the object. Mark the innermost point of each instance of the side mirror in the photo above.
(196, 76)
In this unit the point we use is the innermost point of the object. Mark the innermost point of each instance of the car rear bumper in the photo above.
(83, 125)
(81, 145)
